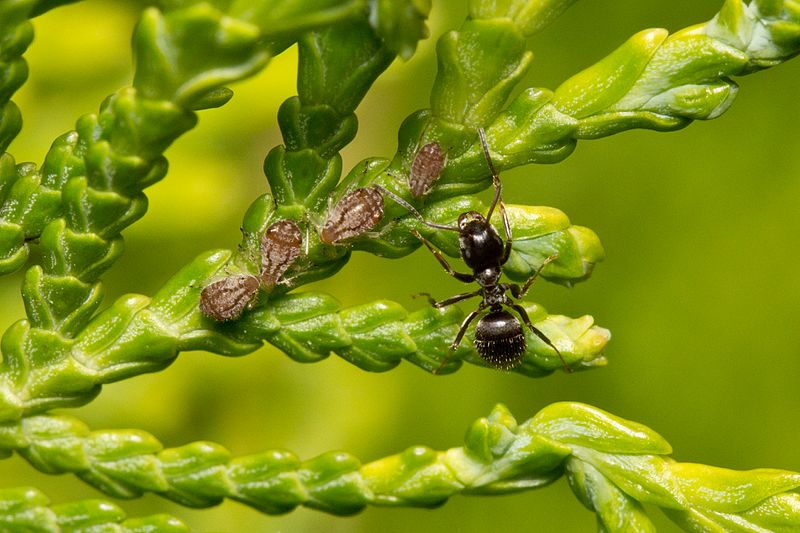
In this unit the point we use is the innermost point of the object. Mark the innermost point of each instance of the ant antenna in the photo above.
(498, 187)
(411, 209)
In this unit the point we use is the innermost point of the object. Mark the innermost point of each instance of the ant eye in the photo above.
(426, 168)
(227, 298)
(280, 248)
(354, 215)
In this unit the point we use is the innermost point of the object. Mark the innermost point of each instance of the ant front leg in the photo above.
(524, 315)
(517, 291)
(466, 278)
(498, 199)
(448, 301)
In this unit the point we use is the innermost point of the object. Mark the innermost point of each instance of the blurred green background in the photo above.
(699, 287)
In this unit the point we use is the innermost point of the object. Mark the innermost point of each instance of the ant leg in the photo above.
(519, 292)
(448, 301)
(507, 228)
(411, 209)
(498, 189)
(466, 278)
(454, 346)
(524, 315)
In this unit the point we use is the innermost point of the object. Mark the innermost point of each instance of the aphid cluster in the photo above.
(499, 337)
(227, 298)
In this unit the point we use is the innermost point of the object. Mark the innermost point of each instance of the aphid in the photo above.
(227, 298)
(499, 337)
(425, 169)
(280, 248)
(355, 214)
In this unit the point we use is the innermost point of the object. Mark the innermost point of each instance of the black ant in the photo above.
(499, 337)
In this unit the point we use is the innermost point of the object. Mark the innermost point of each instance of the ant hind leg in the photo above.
(524, 315)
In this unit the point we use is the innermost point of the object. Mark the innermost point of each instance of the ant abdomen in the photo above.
(500, 340)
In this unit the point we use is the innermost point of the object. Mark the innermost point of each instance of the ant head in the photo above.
(470, 218)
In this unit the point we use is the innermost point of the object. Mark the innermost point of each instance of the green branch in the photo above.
(613, 465)
(655, 81)
(111, 158)
(90, 186)
(137, 335)
(27, 509)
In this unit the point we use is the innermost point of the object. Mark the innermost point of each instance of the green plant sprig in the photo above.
(336, 66)
(655, 80)
(613, 465)
(27, 509)
(481, 64)
(95, 177)
(119, 154)
(137, 334)
(90, 188)
(18, 185)
(17, 32)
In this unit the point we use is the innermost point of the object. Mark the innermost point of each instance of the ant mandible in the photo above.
(499, 337)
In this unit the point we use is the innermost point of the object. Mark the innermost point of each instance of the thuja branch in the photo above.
(18, 185)
(137, 335)
(184, 59)
(27, 509)
(90, 186)
(336, 68)
(613, 465)
(663, 82)
(102, 168)
(655, 80)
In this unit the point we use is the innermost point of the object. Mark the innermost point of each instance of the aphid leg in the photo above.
(307, 240)
(411, 209)
(448, 301)
(524, 315)
(519, 292)
(454, 346)
(466, 278)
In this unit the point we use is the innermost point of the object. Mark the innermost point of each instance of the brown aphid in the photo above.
(354, 215)
(280, 248)
(227, 298)
(425, 169)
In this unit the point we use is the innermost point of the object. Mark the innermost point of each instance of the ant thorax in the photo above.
(494, 296)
